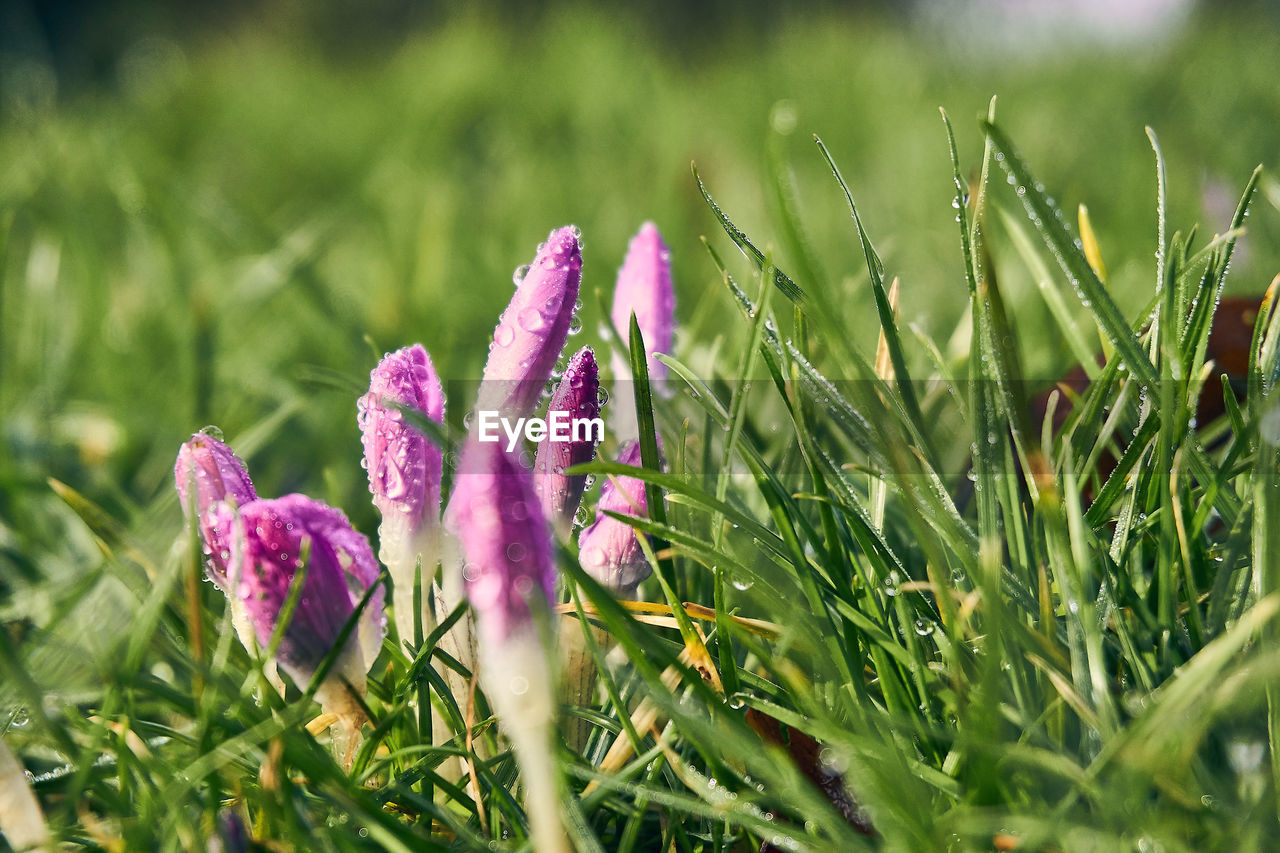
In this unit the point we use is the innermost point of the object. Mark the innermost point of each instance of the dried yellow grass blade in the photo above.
(1089, 241)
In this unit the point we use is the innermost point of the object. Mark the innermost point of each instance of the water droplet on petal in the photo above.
(531, 320)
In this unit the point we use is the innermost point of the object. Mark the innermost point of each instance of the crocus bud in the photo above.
(576, 399)
(404, 470)
(644, 289)
(532, 331)
(496, 516)
(609, 549)
(216, 474)
(269, 541)
(510, 576)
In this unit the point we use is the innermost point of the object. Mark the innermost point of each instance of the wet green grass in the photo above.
(983, 633)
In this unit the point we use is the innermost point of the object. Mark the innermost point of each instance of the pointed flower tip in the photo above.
(404, 466)
(609, 549)
(269, 541)
(496, 516)
(577, 400)
(533, 329)
(217, 475)
(214, 469)
(565, 245)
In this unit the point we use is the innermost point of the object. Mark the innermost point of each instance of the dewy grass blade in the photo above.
(652, 460)
(737, 401)
(1081, 350)
(875, 268)
(1047, 219)
(788, 287)
(1161, 195)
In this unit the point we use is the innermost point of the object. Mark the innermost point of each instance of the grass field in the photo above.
(989, 640)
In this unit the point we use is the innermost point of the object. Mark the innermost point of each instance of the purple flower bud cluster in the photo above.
(499, 518)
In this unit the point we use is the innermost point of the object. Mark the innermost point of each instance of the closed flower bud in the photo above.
(532, 331)
(404, 468)
(578, 399)
(609, 549)
(644, 289)
(498, 520)
(270, 540)
(510, 577)
(207, 473)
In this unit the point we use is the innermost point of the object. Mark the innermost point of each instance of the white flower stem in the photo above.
(518, 682)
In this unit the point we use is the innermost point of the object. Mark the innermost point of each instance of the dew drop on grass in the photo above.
(742, 584)
(891, 582)
(924, 627)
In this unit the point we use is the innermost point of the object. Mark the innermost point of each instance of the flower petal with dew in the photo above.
(578, 398)
(510, 578)
(210, 472)
(644, 289)
(532, 331)
(405, 469)
(609, 549)
(270, 540)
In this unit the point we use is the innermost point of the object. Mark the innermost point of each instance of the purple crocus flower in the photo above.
(510, 576)
(577, 398)
(404, 469)
(609, 549)
(216, 474)
(496, 515)
(644, 289)
(268, 542)
(532, 331)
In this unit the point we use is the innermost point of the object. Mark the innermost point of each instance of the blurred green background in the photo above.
(221, 213)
